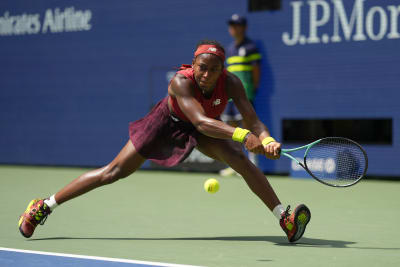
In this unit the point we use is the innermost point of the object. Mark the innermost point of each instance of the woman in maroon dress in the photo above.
(188, 118)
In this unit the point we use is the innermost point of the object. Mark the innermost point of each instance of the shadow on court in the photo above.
(277, 240)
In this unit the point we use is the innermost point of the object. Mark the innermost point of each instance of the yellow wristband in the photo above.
(239, 134)
(268, 140)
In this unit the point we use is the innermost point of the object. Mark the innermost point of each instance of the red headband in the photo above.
(210, 49)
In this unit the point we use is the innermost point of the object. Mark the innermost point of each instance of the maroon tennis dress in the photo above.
(168, 139)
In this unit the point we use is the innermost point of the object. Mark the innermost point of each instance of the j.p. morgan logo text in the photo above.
(329, 22)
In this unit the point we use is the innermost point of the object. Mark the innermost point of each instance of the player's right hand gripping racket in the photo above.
(334, 161)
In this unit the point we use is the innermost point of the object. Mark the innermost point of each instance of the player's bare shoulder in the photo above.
(180, 85)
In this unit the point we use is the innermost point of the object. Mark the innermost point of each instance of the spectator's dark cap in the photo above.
(237, 20)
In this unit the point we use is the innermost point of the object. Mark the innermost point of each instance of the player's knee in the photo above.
(238, 155)
(242, 156)
(237, 158)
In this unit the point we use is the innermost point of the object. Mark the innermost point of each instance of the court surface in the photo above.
(155, 218)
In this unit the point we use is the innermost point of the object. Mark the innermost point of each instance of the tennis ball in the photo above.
(211, 185)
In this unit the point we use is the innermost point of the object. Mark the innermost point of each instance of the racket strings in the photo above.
(336, 161)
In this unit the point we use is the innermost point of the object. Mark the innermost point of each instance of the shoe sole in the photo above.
(23, 234)
(302, 218)
(21, 218)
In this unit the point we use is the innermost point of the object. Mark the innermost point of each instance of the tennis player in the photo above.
(188, 118)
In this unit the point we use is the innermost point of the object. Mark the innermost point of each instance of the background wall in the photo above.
(73, 74)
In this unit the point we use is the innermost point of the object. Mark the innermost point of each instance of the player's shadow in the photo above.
(276, 240)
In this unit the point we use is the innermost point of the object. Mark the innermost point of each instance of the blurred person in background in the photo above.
(243, 60)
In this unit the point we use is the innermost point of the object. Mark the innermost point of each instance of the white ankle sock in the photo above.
(51, 202)
(277, 211)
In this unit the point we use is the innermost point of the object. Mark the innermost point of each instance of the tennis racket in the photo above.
(333, 161)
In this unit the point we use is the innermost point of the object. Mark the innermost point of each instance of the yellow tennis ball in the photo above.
(211, 185)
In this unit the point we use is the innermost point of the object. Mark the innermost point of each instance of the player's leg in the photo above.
(127, 161)
(293, 224)
(229, 171)
(233, 117)
(252, 156)
(232, 154)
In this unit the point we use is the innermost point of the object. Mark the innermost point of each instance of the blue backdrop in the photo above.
(73, 74)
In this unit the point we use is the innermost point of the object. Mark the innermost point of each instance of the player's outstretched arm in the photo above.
(250, 118)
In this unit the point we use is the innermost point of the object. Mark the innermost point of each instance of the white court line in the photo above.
(95, 258)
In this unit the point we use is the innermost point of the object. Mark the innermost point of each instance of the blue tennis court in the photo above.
(22, 258)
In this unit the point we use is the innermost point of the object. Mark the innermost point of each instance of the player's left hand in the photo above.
(273, 150)
(253, 144)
